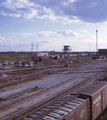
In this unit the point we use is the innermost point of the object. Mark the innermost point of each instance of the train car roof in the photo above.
(91, 88)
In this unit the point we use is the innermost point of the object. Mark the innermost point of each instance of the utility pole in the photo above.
(37, 47)
(96, 41)
(31, 51)
(31, 47)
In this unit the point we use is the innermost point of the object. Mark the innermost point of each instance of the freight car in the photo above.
(97, 94)
(90, 103)
(86, 103)
(76, 109)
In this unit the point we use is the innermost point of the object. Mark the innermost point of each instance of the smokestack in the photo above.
(96, 41)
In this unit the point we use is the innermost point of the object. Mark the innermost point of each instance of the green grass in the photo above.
(25, 71)
(12, 57)
(75, 59)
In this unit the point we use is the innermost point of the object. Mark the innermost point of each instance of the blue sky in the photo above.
(52, 24)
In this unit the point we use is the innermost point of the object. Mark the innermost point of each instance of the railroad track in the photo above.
(32, 109)
(14, 103)
(11, 104)
(27, 112)
(25, 78)
(18, 80)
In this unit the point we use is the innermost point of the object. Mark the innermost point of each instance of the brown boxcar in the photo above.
(81, 113)
(97, 93)
(104, 98)
(75, 109)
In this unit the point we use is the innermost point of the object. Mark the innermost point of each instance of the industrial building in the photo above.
(102, 51)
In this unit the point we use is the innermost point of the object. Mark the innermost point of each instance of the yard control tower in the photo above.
(67, 48)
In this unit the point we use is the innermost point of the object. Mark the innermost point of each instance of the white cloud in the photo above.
(39, 34)
(30, 14)
(87, 39)
(84, 31)
(83, 10)
(28, 34)
(61, 35)
(55, 40)
(45, 33)
(12, 14)
(46, 10)
(13, 39)
(49, 40)
(16, 4)
(19, 7)
(50, 17)
(66, 20)
(2, 39)
(45, 41)
(8, 40)
(68, 33)
(50, 9)
(43, 17)
(3, 13)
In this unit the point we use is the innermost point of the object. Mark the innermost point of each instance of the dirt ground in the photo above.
(48, 80)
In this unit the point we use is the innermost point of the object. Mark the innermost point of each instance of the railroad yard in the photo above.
(53, 60)
(47, 93)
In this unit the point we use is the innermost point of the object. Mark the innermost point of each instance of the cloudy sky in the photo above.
(50, 24)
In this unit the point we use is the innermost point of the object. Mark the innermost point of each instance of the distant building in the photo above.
(102, 51)
(40, 54)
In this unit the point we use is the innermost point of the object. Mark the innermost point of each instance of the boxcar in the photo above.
(97, 94)
(75, 109)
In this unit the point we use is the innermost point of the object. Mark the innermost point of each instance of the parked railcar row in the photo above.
(90, 103)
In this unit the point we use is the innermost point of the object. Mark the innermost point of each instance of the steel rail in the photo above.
(17, 77)
(11, 104)
(41, 92)
(29, 77)
(22, 114)
(26, 112)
